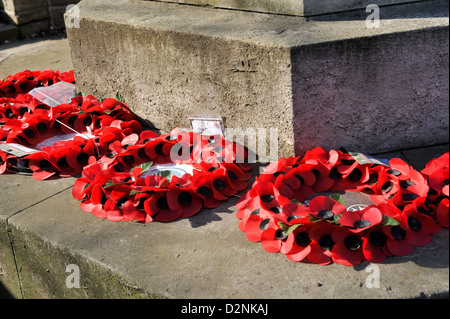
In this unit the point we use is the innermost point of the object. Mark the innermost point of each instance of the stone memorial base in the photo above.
(326, 81)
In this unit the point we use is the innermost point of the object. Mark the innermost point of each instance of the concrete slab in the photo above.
(322, 83)
(17, 195)
(289, 7)
(202, 257)
(35, 54)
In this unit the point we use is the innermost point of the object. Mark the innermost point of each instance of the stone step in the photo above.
(290, 7)
(328, 81)
(46, 240)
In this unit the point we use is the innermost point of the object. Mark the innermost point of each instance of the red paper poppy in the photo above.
(42, 165)
(442, 212)
(322, 243)
(347, 248)
(361, 220)
(326, 208)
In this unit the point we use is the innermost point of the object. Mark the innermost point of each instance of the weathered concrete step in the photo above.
(290, 7)
(328, 81)
(43, 234)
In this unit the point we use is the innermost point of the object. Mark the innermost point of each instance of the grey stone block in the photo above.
(23, 5)
(320, 83)
(290, 7)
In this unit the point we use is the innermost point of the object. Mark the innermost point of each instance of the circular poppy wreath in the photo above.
(23, 82)
(27, 121)
(122, 187)
(407, 204)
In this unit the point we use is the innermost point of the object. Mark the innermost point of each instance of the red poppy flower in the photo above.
(3, 162)
(326, 208)
(202, 183)
(158, 207)
(374, 245)
(420, 227)
(347, 247)
(185, 199)
(360, 220)
(322, 243)
(442, 212)
(159, 150)
(42, 165)
(396, 240)
(134, 210)
(297, 245)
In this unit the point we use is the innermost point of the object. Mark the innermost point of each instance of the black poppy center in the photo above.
(62, 162)
(352, 242)
(142, 154)
(276, 209)
(267, 198)
(398, 232)
(264, 224)
(128, 159)
(161, 203)
(334, 173)
(119, 167)
(87, 121)
(41, 127)
(219, 184)
(83, 158)
(325, 214)
(361, 223)
(386, 187)
(29, 132)
(302, 239)
(232, 176)
(280, 235)
(44, 164)
(159, 149)
(394, 172)
(326, 242)
(184, 198)
(414, 223)
(204, 191)
(122, 201)
(355, 175)
(406, 184)
(377, 239)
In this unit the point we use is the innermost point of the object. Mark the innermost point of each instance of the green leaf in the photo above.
(313, 219)
(108, 184)
(167, 174)
(295, 201)
(288, 229)
(389, 221)
(145, 167)
(337, 197)
(334, 220)
(119, 97)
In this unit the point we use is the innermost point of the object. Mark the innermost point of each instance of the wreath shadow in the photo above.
(210, 215)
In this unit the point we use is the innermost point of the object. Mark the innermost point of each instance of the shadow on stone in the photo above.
(420, 10)
(4, 292)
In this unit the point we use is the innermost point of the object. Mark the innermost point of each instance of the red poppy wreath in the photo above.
(406, 206)
(58, 140)
(148, 177)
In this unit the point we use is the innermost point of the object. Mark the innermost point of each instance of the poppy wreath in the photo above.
(116, 187)
(28, 122)
(24, 82)
(406, 205)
